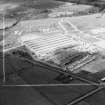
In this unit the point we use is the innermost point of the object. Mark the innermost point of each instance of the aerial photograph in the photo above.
(52, 52)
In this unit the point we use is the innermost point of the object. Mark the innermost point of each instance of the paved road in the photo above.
(25, 73)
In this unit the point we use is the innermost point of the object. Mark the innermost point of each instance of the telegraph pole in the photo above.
(4, 79)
